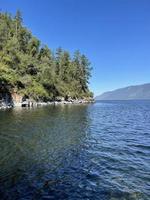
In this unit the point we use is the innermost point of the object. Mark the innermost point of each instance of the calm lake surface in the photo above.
(96, 151)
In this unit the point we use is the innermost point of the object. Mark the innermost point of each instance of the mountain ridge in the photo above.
(133, 92)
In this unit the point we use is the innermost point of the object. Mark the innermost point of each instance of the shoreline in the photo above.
(29, 104)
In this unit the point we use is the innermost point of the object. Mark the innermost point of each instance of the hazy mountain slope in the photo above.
(127, 93)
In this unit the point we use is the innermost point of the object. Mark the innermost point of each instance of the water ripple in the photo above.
(94, 152)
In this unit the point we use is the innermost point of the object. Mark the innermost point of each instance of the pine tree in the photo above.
(34, 70)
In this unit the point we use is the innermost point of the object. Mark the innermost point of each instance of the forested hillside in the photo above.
(32, 69)
(135, 92)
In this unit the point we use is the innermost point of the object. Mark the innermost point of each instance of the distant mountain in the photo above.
(127, 93)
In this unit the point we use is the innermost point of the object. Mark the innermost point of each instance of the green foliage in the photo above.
(34, 70)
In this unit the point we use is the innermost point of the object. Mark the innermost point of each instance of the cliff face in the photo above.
(9, 97)
(16, 99)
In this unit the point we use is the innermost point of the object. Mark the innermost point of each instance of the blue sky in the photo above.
(114, 34)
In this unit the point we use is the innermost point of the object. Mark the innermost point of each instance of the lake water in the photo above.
(98, 151)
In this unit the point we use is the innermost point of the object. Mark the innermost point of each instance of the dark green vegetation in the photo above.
(33, 70)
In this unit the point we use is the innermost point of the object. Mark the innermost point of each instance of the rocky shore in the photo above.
(11, 98)
(31, 103)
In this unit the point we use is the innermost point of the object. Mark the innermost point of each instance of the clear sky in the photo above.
(114, 34)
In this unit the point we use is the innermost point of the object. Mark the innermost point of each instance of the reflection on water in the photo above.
(98, 151)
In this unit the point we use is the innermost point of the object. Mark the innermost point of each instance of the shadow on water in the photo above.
(36, 145)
